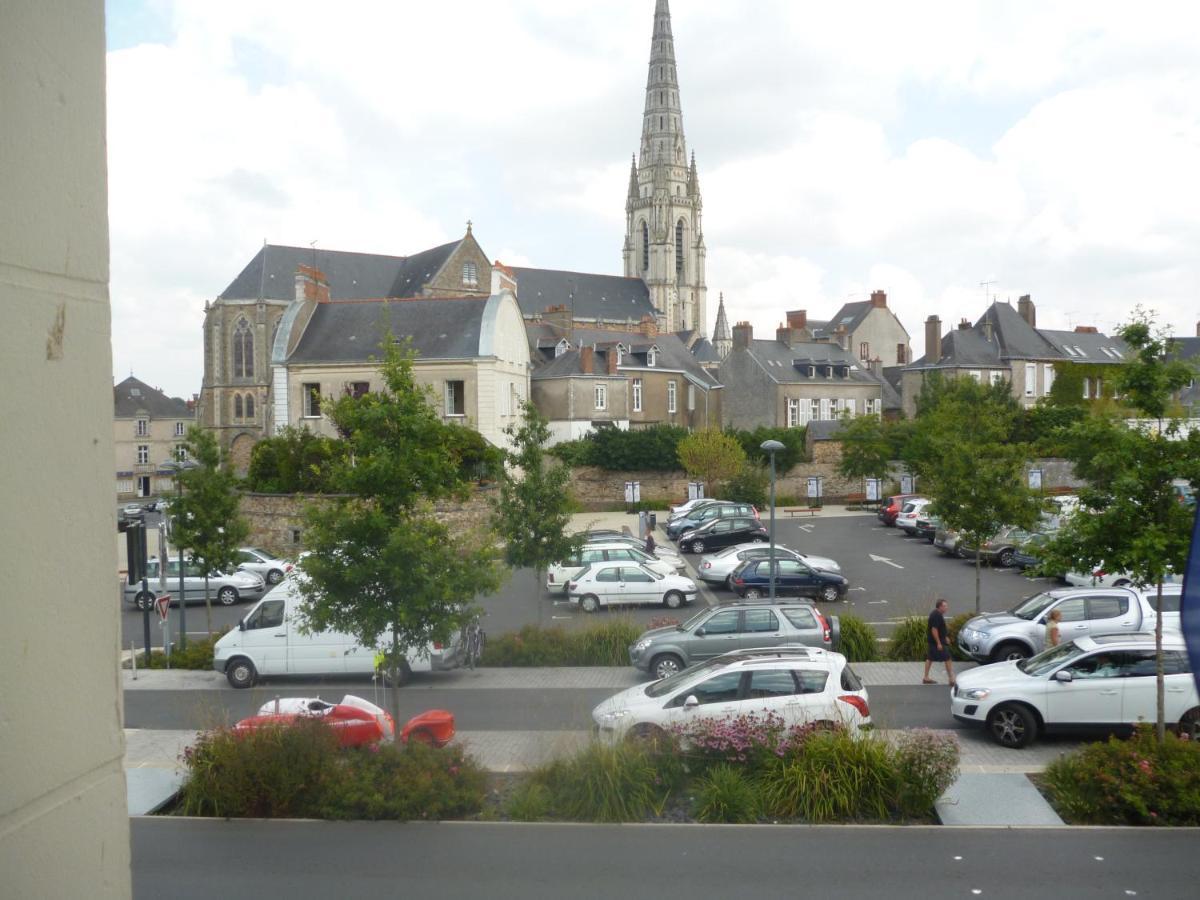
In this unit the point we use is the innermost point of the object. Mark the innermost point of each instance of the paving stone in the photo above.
(995, 799)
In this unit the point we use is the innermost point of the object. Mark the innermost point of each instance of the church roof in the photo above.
(613, 298)
(132, 397)
(271, 274)
(442, 328)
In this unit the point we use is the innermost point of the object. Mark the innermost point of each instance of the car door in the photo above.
(811, 702)
(777, 692)
(265, 638)
(802, 627)
(1093, 697)
(719, 698)
(760, 628)
(1074, 621)
(718, 634)
(719, 535)
(639, 586)
(317, 653)
(1140, 696)
(792, 578)
(607, 585)
(1111, 614)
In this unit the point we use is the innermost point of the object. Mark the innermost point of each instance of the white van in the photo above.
(268, 642)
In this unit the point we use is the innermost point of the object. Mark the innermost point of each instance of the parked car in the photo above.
(1000, 548)
(594, 534)
(602, 584)
(664, 552)
(723, 532)
(792, 578)
(1021, 632)
(906, 519)
(132, 511)
(1027, 556)
(355, 721)
(800, 686)
(1101, 577)
(718, 567)
(560, 573)
(227, 588)
(927, 526)
(891, 506)
(1097, 683)
(260, 562)
(946, 541)
(721, 629)
(703, 514)
(683, 509)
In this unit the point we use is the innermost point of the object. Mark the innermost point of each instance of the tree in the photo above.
(294, 461)
(866, 447)
(207, 521)
(711, 456)
(534, 507)
(1130, 520)
(975, 476)
(382, 568)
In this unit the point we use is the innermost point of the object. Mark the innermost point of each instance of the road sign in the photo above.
(161, 604)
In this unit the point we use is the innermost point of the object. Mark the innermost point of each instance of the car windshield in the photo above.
(688, 676)
(694, 620)
(1032, 607)
(1051, 659)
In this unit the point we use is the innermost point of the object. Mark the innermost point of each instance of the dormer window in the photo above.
(560, 348)
(470, 277)
(651, 357)
(620, 354)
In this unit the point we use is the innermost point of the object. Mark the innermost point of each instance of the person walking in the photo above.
(650, 545)
(1052, 633)
(937, 638)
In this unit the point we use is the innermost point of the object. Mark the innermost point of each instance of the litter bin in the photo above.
(652, 520)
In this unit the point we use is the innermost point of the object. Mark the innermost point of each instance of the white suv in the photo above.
(1099, 683)
(801, 685)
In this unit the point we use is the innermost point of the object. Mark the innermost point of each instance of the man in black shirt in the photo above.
(937, 637)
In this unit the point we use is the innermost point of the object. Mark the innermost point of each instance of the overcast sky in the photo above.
(922, 148)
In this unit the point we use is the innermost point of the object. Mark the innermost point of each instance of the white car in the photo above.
(621, 583)
(684, 508)
(560, 573)
(909, 513)
(663, 551)
(1100, 683)
(260, 562)
(802, 685)
(718, 567)
(1100, 577)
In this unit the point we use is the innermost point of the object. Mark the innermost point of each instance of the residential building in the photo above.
(789, 382)
(868, 329)
(149, 429)
(1188, 350)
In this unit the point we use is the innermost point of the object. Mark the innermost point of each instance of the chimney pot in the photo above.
(1086, 329)
(1027, 311)
(933, 339)
(785, 335)
(963, 324)
(610, 359)
(797, 318)
(879, 299)
(586, 360)
(743, 334)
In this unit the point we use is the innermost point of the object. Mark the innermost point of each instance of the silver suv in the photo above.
(722, 629)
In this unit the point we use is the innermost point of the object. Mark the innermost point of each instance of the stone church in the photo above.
(252, 365)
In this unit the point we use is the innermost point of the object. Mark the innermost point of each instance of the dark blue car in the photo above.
(792, 579)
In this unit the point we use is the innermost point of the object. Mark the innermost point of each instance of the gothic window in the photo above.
(645, 247)
(660, 122)
(249, 406)
(679, 252)
(243, 350)
(237, 407)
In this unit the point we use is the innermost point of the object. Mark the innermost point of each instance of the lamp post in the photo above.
(179, 468)
(772, 447)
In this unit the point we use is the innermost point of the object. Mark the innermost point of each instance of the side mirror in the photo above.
(699, 631)
(1062, 676)
(691, 702)
(241, 624)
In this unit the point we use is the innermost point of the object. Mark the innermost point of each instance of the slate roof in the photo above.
(131, 397)
(850, 315)
(1084, 346)
(672, 353)
(1186, 347)
(442, 328)
(352, 276)
(779, 362)
(568, 364)
(613, 298)
(704, 351)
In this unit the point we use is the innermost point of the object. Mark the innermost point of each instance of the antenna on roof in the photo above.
(985, 285)
(313, 245)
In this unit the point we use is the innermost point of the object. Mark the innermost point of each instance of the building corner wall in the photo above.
(64, 826)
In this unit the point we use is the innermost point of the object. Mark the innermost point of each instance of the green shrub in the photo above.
(859, 642)
(908, 641)
(198, 655)
(835, 776)
(530, 801)
(603, 644)
(726, 794)
(953, 627)
(926, 765)
(294, 461)
(793, 451)
(1128, 782)
(751, 485)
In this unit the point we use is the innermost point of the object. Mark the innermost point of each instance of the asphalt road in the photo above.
(205, 858)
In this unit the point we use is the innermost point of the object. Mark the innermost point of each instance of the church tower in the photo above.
(664, 240)
(722, 339)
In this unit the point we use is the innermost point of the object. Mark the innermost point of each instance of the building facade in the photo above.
(148, 430)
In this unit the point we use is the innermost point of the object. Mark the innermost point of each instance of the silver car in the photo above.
(717, 567)
(226, 588)
(260, 562)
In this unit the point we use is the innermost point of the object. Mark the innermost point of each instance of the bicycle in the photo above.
(474, 637)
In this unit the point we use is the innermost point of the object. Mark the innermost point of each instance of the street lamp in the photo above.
(179, 468)
(772, 447)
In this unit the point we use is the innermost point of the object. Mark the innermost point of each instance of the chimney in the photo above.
(1027, 311)
(610, 359)
(559, 317)
(879, 299)
(785, 335)
(586, 360)
(933, 339)
(648, 327)
(798, 319)
(1086, 329)
(841, 337)
(876, 366)
(1198, 329)
(311, 284)
(743, 334)
(987, 330)
(963, 324)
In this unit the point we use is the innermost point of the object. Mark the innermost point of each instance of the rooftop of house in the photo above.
(132, 398)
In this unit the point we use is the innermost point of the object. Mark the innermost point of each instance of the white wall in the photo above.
(64, 830)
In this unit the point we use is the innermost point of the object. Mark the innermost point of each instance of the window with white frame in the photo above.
(456, 398)
(977, 375)
(141, 428)
(1087, 388)
(637, 395)
(310, 391)
(180, 454)
(671, 401)
(851, 406)
(691, 397)
(823, 408)
(995, 377)
(143, 454)
(180, 429)
(560, 348)
(1030, 379)
(651, 357)
(793, 412)
(1047, 378)
(601, 394)
(806, 410)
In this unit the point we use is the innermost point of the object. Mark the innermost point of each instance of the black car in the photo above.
(697, 517)
(722, 532)
(1026, 555)
(792, 578)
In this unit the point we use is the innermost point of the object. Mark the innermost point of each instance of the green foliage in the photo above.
(294, 461)
(751, 485)
(530, 801)
(1067, 390)
(866, 448)
(299, 771)
(926, 765)
(711, 456)
(836, 777)
(908, 643)
(1046, 426)
(534, 508)
(197, 655)
(859, 642)
(725, 794)
(639, 449)
(791, 455)
(574, 453)
(605, 644)
(477, 459)
(1139, 781)
(953, 627)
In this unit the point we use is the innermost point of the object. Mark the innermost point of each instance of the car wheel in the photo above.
(829, 593)
(752, 594)
(1189, 722)
(665, 665)
(590, 603)
(1010, 651)
(227, 596)
(673, 600)
(648, 734)
(1005, 559)
(697, 546)
(144, 600)
(403, 676)
(1012, 726)
(240, 673)
(274, 576)
(729, 582)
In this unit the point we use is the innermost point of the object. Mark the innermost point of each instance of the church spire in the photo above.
(662, 123)
(722, 338)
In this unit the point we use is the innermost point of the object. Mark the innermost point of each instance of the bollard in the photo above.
(133, 660)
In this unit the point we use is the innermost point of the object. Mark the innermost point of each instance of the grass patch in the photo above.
(908, 643)
(198, 655)
(604, 644)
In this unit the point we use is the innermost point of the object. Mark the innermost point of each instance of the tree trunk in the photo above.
(538, 588)
(978, 590)
(395, 669)
(1160, 685)
(207, 603)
